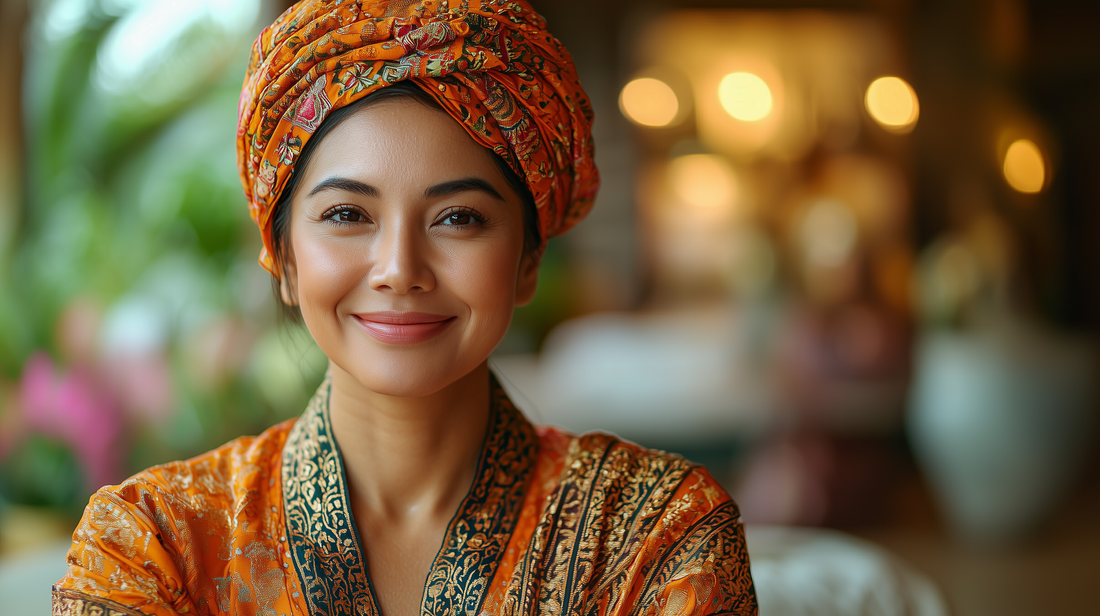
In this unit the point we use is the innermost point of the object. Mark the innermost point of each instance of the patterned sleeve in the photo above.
(119, 562)
(698, 560)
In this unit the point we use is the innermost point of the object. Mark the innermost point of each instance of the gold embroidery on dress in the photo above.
(170, 539)
(614, 539)
(72, 603)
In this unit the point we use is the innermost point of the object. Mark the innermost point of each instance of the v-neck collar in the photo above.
(324, 542)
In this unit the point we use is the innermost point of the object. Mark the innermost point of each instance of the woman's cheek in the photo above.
(326, 275)
(489, 278)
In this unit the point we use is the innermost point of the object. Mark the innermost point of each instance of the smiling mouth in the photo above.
(394, 327)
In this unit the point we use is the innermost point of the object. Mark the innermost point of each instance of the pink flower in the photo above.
(73, 409)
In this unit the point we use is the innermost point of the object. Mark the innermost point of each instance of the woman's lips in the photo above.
(403, 327)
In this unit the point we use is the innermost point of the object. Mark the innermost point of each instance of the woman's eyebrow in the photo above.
(347, 185)
(463, 185)
(439, 190)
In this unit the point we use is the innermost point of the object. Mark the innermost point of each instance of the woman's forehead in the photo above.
(399, 140)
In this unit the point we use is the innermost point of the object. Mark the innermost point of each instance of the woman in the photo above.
(405, 164)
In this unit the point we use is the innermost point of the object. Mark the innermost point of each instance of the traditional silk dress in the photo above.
(553, 524)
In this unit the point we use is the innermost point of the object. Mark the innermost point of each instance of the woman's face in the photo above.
(406, 249)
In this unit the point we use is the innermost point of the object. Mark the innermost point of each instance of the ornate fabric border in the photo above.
(67, 602)
(324, 541)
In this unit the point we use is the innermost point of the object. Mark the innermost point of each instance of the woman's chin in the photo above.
(405, 381)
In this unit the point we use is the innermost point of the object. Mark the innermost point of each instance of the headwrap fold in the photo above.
(491, 64)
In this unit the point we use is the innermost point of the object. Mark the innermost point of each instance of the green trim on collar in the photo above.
(320, 531)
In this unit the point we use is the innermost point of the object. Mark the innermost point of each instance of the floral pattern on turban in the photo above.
(491, 64)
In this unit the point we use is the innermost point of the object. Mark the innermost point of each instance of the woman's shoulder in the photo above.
(650, 523)
(240, 478)
(241, 468)
(163, 535)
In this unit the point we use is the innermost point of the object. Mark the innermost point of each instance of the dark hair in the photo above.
(280, 215)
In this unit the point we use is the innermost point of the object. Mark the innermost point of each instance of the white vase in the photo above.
(1000, 419)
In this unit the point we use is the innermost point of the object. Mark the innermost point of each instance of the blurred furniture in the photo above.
(822, 572)
(649, 378)
(687, 375)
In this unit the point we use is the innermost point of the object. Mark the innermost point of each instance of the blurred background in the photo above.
(846, 254)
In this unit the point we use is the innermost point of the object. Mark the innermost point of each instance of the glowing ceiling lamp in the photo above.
(1023, 166)
(649, 102)
(893, 104)
(745, 96)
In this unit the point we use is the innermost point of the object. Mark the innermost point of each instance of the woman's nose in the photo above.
(400, 261)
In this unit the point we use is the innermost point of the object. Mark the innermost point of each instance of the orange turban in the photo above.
(491, 64)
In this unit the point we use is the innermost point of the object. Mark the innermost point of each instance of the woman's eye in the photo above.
(459, 219)
(345, 215)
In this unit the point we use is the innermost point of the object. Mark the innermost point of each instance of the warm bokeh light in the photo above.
(893, 104)
(745, 96)
(703, 180)
(1023, 166)
(649, 102)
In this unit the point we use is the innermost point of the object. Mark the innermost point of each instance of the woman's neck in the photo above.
(409, 461)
